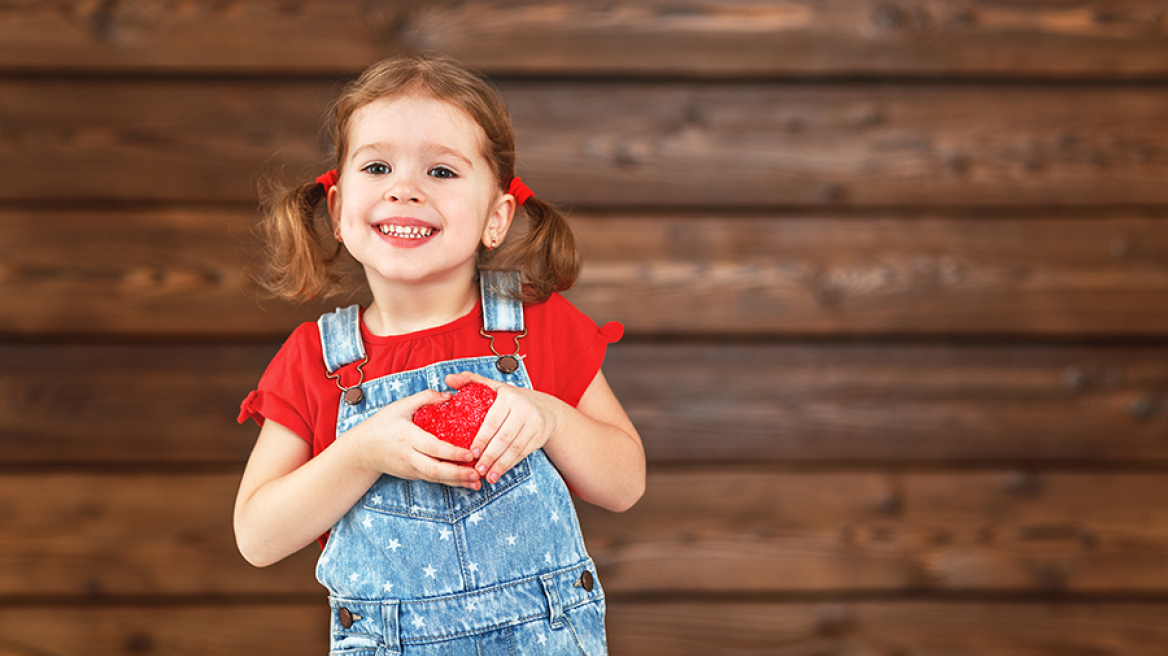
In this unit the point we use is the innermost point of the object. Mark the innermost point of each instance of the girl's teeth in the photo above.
(405, 232)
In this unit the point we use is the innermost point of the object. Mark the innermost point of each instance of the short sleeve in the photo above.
(281, 395)
(579, 347)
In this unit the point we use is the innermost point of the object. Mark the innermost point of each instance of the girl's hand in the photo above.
(395, 445)
(519, 422)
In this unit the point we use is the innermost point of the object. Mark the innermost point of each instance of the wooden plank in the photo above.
(187, 272)
(623, 144)
(99, 535)
(733, 531)
(789, 403)
(833, 403)
(176, 273)
(909, 628)
(913, 628)
(705, 37)
(117, 404)
(726, 531)
(165, 630)
(868, 274)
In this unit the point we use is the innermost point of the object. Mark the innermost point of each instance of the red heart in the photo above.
(458, 419)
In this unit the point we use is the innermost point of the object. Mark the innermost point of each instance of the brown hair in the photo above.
(304, 260)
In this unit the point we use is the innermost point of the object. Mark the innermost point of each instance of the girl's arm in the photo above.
(287, 498)
(594, 445)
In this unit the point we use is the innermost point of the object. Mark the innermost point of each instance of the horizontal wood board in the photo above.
(724, 531)
(815, 403)
(1118, 38)
(845, 628)
(621, 144)
(183, 272)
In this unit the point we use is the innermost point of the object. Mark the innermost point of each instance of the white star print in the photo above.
(444, 533)
(430, 571)
(376, 498)
(531, 487)
(511, 540)
(555, 516)
(542, 638)
(394, 544)
(547, 558)
(368, 523)
(475, 518)
(353, 577)
(396, 385)
(419, 622)
(473, 567)
(387, 587)
(472, 605)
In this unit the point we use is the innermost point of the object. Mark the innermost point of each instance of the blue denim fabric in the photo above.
(427, 569)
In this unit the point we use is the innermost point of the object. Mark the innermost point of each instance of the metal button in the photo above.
(586, 581)
(353, 396)
(507, 364)
(346, 617)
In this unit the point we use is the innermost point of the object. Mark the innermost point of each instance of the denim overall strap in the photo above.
(502, 311)
(340, 337)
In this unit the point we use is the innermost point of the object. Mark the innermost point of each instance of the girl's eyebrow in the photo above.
(429, 147)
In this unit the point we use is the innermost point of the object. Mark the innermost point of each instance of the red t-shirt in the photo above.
(563, 352)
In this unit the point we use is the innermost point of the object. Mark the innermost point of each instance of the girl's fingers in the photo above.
(511, 443)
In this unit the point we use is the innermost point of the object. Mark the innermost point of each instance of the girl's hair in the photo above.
(304, 260)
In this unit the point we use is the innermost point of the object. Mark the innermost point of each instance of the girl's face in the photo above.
(416, 195)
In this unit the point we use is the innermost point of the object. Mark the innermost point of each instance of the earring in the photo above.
(494, 243)
(337, 236)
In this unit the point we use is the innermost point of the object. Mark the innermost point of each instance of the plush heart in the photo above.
(458, 419)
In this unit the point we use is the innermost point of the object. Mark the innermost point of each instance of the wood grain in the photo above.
(573, 37)
(697, 403)
(727, 531)
(846, 628)
(623, 144)
(188, 272)
(910, 628)
(1019, 532)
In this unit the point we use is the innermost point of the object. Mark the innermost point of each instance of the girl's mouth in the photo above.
(405, 232)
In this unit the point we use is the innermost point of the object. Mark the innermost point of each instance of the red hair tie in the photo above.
(327, 180)
(520, 191)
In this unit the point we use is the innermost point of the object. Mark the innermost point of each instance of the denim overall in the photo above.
(421, 568)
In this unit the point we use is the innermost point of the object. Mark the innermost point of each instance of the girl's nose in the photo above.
(404, 191)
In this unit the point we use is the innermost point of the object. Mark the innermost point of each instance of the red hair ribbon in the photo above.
(327, 180)
(520, 191)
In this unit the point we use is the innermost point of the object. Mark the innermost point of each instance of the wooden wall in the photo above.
(894, 272)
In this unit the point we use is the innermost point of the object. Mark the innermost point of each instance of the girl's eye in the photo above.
(442, 172)
(376, 168)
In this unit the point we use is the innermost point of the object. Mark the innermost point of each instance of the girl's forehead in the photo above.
(414, 118)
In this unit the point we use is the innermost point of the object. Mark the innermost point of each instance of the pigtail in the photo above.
(302, 257)
(546, 256)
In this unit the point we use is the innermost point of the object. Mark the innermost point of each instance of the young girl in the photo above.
(433, 548)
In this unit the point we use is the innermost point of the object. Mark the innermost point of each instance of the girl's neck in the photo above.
(404, 309)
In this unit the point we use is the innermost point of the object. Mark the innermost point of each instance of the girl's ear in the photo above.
(333, 201)
(499, 221)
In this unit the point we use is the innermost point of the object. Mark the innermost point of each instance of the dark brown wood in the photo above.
(839, 403)
(734, 531)
(847, 628)
(842, 38)
(100, 535)
(728, 531)
(186, 272)
(210, 629)
(692, 403)
(913, 628)
(623, 144)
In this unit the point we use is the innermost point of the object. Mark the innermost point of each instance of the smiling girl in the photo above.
(433, 548)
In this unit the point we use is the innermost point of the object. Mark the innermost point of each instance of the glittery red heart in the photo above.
(458, 419)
